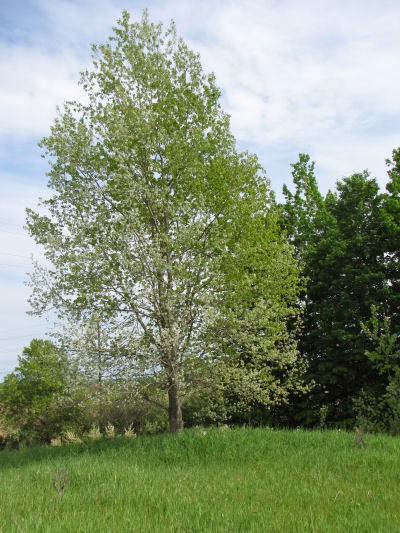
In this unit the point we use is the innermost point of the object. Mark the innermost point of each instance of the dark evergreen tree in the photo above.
(391, 215)
(347, 275)
(342, 246)
(383, 328)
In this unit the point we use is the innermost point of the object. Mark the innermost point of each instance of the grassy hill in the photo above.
(235, 480)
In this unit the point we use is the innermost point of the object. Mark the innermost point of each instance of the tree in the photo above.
(98, 344)
(36, 397)
(385, 352)
(343, 253)
(391, 220)
(302, 208)
(348, 277)
(382, 329)
(148, 195)
(304, 218)
(256, 327)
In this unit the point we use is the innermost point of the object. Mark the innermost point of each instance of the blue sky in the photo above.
(321, 77)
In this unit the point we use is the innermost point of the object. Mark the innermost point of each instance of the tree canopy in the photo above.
(347, 246)
(151, 204)
(35, 398)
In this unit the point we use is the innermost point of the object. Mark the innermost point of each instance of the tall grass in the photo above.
(239, 480)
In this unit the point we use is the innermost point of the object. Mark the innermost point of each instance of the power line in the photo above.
(21, 337)
(15, 255)
(15, 338)
(24, 329)
(15, 266)
(2, 222)
(13, 232)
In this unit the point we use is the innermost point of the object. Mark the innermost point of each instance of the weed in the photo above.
(323, 413)
(359, 437)
(110, 430)
(312, 520)
(60, 478)
(130, 432)
(69, 437)
(94, 432)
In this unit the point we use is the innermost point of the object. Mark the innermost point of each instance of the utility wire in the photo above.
(5, 331)
(15, 255)
(15, 338)
(13, 232)
(2, 222)
(15, 266)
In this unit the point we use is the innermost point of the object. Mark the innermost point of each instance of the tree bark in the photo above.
(174, 407)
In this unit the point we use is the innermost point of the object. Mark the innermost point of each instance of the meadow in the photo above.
(200, 480)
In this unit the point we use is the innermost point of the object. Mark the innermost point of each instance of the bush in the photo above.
(380, 413)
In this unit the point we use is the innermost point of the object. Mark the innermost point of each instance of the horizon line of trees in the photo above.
(347, 251)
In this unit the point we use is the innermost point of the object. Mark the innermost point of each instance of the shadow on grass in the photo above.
(211, 446)
(36, 454)
(162, 449)
(187, 447)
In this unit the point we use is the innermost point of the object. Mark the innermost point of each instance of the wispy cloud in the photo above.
(309, 76)
(33, 84)
(293, 74)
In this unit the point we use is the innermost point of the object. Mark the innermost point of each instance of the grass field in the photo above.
(236, 480)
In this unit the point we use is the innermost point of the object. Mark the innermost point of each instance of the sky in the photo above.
(314, 76)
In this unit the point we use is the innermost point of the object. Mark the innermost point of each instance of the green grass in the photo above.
(237, 480)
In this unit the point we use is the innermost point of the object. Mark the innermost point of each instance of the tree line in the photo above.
(187, 293)
(347, 244)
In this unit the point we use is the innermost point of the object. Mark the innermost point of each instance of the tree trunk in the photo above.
(174, 407)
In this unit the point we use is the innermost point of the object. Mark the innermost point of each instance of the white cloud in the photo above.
(77, 24)
(353, 156)
(291, 72)
(305, 68)
(16, 196)
(315, 77)
(33, 84)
